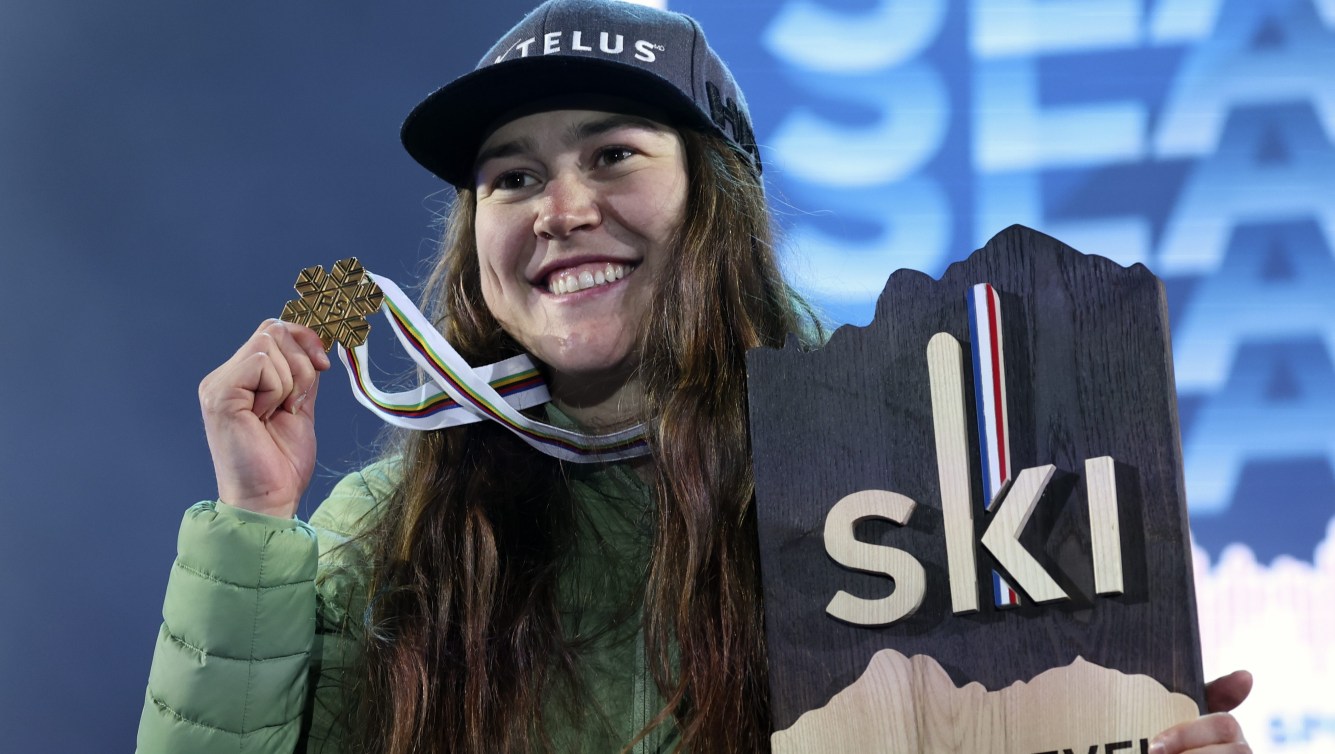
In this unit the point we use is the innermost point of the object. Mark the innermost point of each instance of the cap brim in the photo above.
(445, 130)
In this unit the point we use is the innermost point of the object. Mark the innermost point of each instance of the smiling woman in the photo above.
(468, 593)
(577, 212)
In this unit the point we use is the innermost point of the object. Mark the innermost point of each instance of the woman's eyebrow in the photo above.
(574, 133)
(599, 126)
(504, 149)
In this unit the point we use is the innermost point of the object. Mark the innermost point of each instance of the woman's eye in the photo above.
(613, 155)
(512, 181)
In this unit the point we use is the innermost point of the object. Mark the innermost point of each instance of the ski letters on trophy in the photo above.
(971, 513)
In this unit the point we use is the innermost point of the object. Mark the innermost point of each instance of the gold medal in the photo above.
(334, 304)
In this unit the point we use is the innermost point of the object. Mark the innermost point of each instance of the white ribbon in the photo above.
(425, 408)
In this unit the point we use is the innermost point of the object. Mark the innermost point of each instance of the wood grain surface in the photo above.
(1089, 375)
(906, 704)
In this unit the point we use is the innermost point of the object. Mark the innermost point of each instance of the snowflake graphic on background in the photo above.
(335, 305)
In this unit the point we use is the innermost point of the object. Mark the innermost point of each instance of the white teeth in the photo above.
(568, 282)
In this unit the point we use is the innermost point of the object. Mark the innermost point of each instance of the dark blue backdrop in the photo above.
(165, 169)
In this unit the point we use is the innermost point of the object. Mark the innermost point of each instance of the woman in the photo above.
(472, 594)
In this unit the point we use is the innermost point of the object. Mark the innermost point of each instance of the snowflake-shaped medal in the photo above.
(335, 304)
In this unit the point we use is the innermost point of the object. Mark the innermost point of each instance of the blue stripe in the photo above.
(979, 398)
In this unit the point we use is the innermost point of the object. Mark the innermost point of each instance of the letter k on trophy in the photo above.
(972, 520)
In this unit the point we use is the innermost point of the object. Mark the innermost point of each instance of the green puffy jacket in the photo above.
(251, 650)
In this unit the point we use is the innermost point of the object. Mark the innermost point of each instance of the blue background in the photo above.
(166, 168)
(1193, 136)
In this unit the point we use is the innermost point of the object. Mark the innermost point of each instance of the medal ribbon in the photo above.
(459, 394)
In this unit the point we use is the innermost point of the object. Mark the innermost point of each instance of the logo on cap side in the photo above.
(608, 43)
(730, 119)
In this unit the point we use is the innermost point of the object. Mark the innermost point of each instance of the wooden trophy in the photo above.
(972, 519)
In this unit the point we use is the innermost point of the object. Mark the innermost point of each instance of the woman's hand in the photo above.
(1217, 732)
(259, 417)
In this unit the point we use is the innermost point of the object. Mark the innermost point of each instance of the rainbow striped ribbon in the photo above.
(460, 394)
(989, 385)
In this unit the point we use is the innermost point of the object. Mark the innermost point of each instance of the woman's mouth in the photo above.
(584, 276)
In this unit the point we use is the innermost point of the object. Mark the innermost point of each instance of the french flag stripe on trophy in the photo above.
(989, 385)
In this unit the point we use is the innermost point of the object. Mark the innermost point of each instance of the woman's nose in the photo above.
(569, 204)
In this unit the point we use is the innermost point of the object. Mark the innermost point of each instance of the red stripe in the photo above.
(442, 402)
(421, 348)
(993, 310)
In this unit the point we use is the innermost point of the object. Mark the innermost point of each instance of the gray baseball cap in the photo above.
(581, 50)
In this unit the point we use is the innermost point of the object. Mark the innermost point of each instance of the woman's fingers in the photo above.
(266, 381)
(276, 369)
(306, 357)
(259, 417)
(301, 368)
(311, 344)
(1217, 733)
(1226, 693)
(271, 360)
(306, 400)
(279, 365)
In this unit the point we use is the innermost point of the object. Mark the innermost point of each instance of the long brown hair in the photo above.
(464, 649)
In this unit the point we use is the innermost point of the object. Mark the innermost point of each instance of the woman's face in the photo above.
(575, 213)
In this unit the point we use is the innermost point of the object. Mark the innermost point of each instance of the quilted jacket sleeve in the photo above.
(254, 637)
